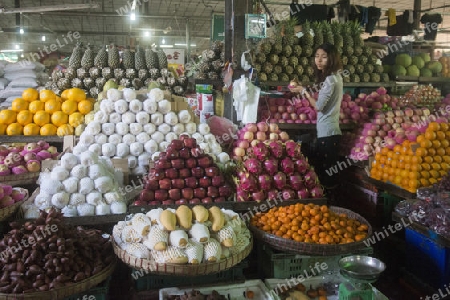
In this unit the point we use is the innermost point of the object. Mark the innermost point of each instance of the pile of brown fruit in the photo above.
(45, 254)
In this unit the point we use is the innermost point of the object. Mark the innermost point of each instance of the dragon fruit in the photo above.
(301, 165)
(253, 166)
(296, 182)
(287, 166)
(288, 194)
(242, 196)
(271, 166)
(276, 149)
(317, 192)
(293, 149)
(279, 180)
(265, 182)
(248, 183)
(260, 151)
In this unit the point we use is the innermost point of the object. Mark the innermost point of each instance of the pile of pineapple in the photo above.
(286, 57)
(210, 64)
(90, 71)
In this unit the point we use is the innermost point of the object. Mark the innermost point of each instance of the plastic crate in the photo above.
(144, 282)
(427, 259)
(100, 292)
(389, 204)
(281, 265)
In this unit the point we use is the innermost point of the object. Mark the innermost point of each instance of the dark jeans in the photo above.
(327, 151)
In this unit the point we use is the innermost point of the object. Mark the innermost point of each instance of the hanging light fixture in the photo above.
(163, 41)
(133, 16)
(43, 38)
(21, 30)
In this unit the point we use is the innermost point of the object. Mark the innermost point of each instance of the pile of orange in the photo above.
(310, 223)
(415, 164)
(45, 113)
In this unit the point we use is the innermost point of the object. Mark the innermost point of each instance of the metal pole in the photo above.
(188, 41)
(417, 9)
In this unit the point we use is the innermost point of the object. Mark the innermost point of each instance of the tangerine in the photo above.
(24, 117)
(14, 129)
(52, 106)
(46, 95)
(19, 104)
(48, 129)
(65, 129)
(76, 94)
(30, 94)
(31, 129)
(36, 105)
(41, 118)
(69, 106)
(59, 118)
(7, 116)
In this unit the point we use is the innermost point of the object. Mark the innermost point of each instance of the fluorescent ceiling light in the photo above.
(184, 45)
(166, 46)
(43, 38)
(163, 41)
(132, 16)
(17, 47)
(21, 31)
(21, 55)
(146, 33)
(12, 50)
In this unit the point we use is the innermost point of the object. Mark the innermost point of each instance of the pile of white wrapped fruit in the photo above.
(184, 235)
(126, 127)
(81, 185)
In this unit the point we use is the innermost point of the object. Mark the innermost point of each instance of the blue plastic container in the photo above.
(427, 259)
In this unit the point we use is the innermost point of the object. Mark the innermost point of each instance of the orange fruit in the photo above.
(428, 159)
(31, 129)
(440, 151)
(436, 166)
(434, 126)
(76, 119)
(435, 174)
(424, 182)
(447, 150)
(14, 129)
(446, 158)
(64, 95)
(437, 159)
(24, 117)
(416, 168)
(7, 116)
(426, 166)
(19, 104)
(417, 159)
(36, 105)
(425, 174)
(30, 94)
(48, 129)
(46, 95)
(436, 144)
(65, 129)
(384, 151)
(41, 118)
(420, 138)
(426, 143)
(397, 148)
(445, 143)
(76, 94)
(440, 135)
(432, 181)
(69, 106)
(52, 106)
(3, 129)
(59, 118)
(443, 172)
(444, 126)
(431, 151)
(85, 106)
(430, 135)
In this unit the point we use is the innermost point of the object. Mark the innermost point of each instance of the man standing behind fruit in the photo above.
(327, 67)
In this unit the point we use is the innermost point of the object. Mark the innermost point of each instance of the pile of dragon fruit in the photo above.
(274, 170)
(16, 160)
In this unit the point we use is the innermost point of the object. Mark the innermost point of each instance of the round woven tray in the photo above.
(150, 266)
(292, 246)
(63, 292)
(7, 212)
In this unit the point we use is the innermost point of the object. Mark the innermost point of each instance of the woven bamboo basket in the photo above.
(292, 246)
(22, 179)
(66, 291)
(7, 212)
(151, 266)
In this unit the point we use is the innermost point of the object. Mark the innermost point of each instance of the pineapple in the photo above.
(336, 31)
(288, 31)
(299, 70)
(308, 51)
(354, 78)
(63, 83)
(139, 59)
(348, 50)
(378, 69)
(106, 73)
(347, 37)
(171, 81)
(287, 50)
(356, 33)
(113, 57)
(367, 50)
(309, 71)
(273, 59)
(119, 74)
(154, 73)
(87, 61)
(94, 92)
(351, 69)
(100, 82)
(217, 65)
(293, 61)
(82, 73)
(162, 59)
(130, 73)
(368, 68)
(359, 69)
(307, 39)
(365, 77)
(283, 77)
(385, 77)
(203, 67)
(257, 67)
(267, 68)
(265, 47)
(101, 59)
(88, 83)
(261, 58)
(289, 69)
(344, 60)
(137, 83)
(353, 60)
(263, 77)
(151, 59)
(217, 46)
(318, 33)
(277, 48)
(70, 73)
(75, 58)
(278, 69)
(125, 82)
(362, 60)
(77, 82)
(128, 58)
(358, 50)
(95, 72)
(328, 33)
(143, 74)
(284, 61)
(304, 78)
(372, 59)
(273, 77)
(57, 75)
(304, 61)
(374, 77)
(297, 50)
(178, 90)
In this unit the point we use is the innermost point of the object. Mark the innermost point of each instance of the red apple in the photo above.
(225, 191)
(177, 163)
(152, 185)
(147, 196)
(33, 166)
(212, 171)
(177, 183)
(218, 180)
(155, 174)
(165, 184)
(187, 193)
(204, 182)
(139, 203)
(190, 143)
(185, 153)
(172, 153)
(191, 182)
(212, 191)
(168, 202)
(177, 144)
(174, 194)
(199, 192)
(205, 161)
(198, 172)
(185, 173)
(190, 163)
(161, 195)
(196, 152)
(195, 201)
(154, 202)
(162, 164)
(181, 202)
(220, 199)
(207, 200)
(172, 173)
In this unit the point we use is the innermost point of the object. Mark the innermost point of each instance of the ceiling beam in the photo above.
(41, 9)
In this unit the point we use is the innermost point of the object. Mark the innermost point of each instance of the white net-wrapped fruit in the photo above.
(194, 252)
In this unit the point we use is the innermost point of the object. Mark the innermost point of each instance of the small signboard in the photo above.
(218, 27)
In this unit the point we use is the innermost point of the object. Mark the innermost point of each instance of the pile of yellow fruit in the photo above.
(445, 61)
(45, 113)
(415, 164)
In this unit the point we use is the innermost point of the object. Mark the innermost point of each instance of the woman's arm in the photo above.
(325, 92)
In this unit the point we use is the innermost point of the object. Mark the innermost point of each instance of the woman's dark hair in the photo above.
(334, 63)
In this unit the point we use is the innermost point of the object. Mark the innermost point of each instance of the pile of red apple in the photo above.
(18, 160)
(183, 174)
(288, 110)
(10, 195)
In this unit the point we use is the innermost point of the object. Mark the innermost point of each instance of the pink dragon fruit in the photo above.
(293, 149)
(253, 166)
(301, 165)
(276, 149)
(271, 166)
(248, 183)
(287, 166)
(265, 182)
(279, 180)
(260, 150)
